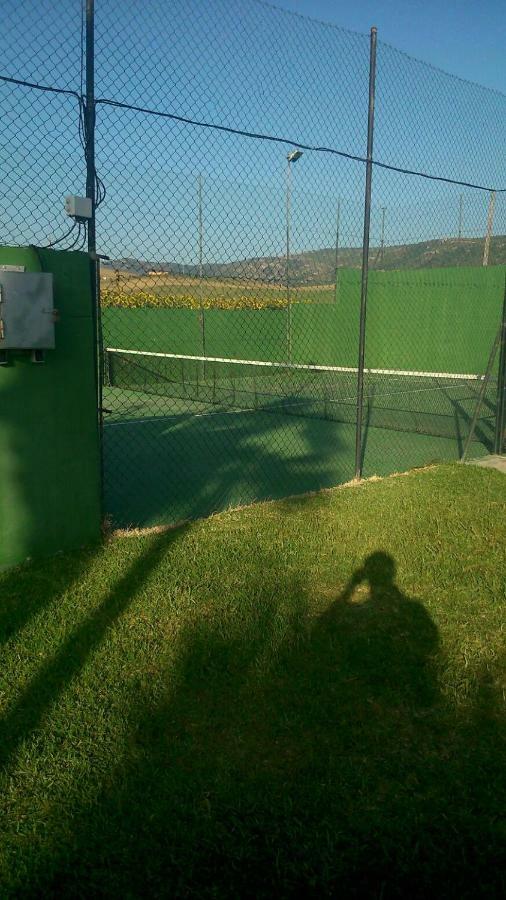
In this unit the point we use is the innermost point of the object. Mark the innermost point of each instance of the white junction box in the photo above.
(78, 207)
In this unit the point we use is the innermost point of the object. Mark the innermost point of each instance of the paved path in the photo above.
(490, 462)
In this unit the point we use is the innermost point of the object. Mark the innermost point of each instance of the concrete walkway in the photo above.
(490, 462)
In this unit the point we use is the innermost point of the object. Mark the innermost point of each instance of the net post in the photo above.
(365, 254)
(501, 384)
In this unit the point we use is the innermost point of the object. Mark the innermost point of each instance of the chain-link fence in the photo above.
(231, 152)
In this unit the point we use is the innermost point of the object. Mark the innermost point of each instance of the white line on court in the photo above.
(183, 415)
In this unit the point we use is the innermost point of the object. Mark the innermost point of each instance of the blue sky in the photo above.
(244, 64)
(464, 37)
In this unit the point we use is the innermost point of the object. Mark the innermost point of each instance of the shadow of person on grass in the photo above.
(386, 637)
(291, 752)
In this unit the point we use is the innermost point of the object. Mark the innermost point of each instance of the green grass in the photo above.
(256, 705)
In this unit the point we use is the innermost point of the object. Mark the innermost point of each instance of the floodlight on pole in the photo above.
(294, 155)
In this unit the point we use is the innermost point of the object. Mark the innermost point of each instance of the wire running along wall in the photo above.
(228, 167)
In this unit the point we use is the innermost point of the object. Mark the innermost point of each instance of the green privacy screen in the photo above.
(210, 408)
(436, 319)
(49, 449)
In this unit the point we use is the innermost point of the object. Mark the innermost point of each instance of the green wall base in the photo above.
(49, 436)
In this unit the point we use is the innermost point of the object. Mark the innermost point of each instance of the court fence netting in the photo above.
(298, 235)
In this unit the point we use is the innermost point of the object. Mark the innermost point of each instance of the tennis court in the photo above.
(216, 408)
(205, 433)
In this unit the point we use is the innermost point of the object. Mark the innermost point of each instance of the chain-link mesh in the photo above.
(437, 280)
(42, 71)
(231, 138)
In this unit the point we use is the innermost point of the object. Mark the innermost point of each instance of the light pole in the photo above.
(336, 254)
(291, 158)
(461, 215)
(201, 254)
(382, 242)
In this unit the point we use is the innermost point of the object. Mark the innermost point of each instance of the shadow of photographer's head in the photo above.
(379, 570)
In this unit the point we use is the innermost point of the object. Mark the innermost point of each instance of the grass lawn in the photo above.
(300, 697)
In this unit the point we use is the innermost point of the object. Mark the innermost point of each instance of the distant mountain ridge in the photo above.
(318, 266)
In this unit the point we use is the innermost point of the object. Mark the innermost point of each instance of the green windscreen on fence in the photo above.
(256, 415)
(424, 320)
(235, 223)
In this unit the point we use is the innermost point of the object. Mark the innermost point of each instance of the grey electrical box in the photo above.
(79, 208)
(26, 311)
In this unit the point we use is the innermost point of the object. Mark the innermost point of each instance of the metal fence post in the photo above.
(365, 254)
(501, 385)
(90, 122)
(490, 226)
(91, 192)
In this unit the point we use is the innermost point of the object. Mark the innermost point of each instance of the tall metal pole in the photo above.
(201, 228)
(336, 256)
(90, 122)
(287, 275)
(89, 143)
(485, 381)
(490, 225)
(461, 215)
(501, 385)
(365, 254)
(201, 272)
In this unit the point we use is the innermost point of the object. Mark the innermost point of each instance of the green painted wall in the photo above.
(441, 320)
(49, 440)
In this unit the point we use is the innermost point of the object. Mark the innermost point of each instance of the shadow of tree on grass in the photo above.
(48, 685)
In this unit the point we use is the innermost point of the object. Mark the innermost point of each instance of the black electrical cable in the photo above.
(82, 243)
(73, 245)
(291, 143)
(36, 251)
(64, 237)
(40, 87)
(250, 134)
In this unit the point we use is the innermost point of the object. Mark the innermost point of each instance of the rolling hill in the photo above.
(318, 266)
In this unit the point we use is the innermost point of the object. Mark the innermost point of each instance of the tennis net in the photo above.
(436, 403)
